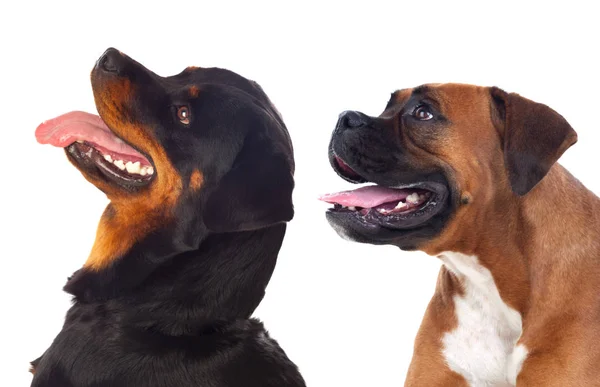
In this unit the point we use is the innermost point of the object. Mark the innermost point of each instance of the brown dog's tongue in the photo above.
(68, 128)
(367, 197)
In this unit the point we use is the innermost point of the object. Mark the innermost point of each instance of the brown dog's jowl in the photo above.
(469, 174)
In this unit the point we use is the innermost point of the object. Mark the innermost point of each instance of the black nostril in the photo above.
(353, 119)
(109, 61)
(108, 65)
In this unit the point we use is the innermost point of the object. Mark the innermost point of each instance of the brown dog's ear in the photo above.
(534, 135)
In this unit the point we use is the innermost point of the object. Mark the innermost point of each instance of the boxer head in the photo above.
(435, 158)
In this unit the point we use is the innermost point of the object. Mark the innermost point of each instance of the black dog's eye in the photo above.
(183, 114)
(422, 113)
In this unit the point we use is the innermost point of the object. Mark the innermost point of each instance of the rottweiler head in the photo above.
(440, 156)
(179, 157)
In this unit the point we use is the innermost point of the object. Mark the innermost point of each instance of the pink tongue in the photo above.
(75, 126)
(366, 197)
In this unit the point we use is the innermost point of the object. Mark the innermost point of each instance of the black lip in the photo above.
(401, 221)
(91, 160)
(345, 171)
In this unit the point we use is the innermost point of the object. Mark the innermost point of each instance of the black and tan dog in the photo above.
(199, 169)
(469, 174)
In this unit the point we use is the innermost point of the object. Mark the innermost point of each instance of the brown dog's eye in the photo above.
(183, 113)
(422, 113)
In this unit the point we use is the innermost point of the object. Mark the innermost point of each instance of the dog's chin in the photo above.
(407, 231)
(355, 229)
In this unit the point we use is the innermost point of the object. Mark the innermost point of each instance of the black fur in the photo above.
(176, 309)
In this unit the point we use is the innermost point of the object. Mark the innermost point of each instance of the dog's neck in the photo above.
(533, 258)
(223, 280)
(562, 244)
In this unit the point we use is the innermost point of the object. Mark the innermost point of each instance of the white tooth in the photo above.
(400, 205)
(352, 208)
(117, 139)
(120, 164)
(133, 167)
(108, 158)
(413, 198)
(79, 141)
(382, 210)
(143, 171)
(150, 170)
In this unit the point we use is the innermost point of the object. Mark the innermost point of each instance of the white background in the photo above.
(346, 313)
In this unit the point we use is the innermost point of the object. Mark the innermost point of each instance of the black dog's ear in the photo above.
(535, 136)
(255, 193)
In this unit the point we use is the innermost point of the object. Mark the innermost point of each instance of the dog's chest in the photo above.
(482, 348)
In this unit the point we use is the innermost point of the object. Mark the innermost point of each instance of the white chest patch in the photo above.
(483, 347)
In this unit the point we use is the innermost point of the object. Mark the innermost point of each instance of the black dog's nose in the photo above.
(353, 119)
(111, 61)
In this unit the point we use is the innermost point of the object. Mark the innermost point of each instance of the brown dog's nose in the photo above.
(111, 61)
(353, 119)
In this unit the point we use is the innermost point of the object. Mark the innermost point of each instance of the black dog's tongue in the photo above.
(68, 128)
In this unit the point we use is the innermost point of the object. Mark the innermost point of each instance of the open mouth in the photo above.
(402, 207)
(95, 148)
(346, 172)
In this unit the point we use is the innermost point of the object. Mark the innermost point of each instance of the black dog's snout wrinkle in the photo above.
(111, 61)
(352, 119)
